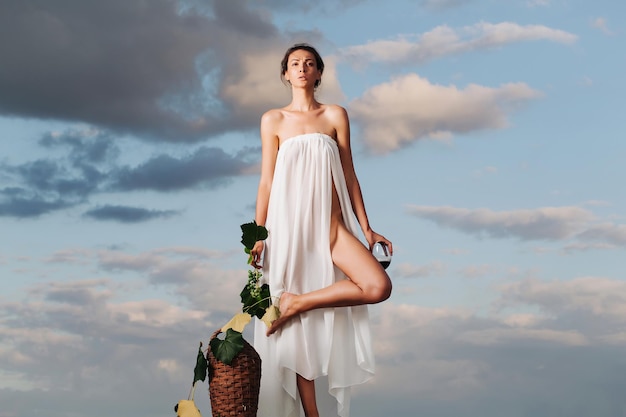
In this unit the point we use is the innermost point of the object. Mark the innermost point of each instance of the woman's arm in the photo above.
(342, 126)
(269, 152)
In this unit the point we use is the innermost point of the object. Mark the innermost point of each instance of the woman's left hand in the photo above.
(373, 237)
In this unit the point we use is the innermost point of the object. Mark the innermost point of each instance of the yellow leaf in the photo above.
(271, 314)
(187, 408)
(238, 322)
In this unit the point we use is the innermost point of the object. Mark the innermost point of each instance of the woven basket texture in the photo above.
(234, 388)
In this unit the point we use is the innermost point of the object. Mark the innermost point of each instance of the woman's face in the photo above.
(302, 69)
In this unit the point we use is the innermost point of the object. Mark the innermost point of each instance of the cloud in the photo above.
(574, 224)
(18, 202)
(194, 274)
(86, 144)
(442, 4)
(491, 337)
(50, 184)
(536, 3)
(254, 86)
(158, 70)
(205, 167)
(81, 348)
(89, 165)
(588, 297)
(601, 24)
(409, 107)
(406, 270)
(86, 61)
(546, 223)
(452, 362)
(306, 6)
(477, 271)
(98, 345)
(583, 246)
(443, 41)
(125, 214)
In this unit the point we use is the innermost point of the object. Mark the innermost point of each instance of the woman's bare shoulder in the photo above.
(335, 110)
(338, 118)
(272, 116)
(271, 119)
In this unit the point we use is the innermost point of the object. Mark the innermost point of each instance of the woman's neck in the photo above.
(303, 100)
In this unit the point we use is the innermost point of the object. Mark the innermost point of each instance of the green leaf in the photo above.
(199, 372)
(226, 350)
(251, 233)
(256, 306)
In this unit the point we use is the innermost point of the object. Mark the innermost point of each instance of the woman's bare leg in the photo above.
(368, 282)
(306, 388)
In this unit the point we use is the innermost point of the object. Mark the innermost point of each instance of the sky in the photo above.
(488, 139)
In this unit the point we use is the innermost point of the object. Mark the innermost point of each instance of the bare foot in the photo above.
(287, 308)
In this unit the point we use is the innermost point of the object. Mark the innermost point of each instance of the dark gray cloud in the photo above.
(45, 185)
(160, 70)
(125, 214)
(85, 146)
(230, 15)
(302, 6)
(85, 163)
(206, 166)
(21, 203)
(127, 65)
(105, 63)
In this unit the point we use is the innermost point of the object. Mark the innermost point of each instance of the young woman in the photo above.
(319, 272)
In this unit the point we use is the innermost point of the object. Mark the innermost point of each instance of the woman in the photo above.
(319, 272)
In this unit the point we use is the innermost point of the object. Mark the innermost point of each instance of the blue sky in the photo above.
(488, 140)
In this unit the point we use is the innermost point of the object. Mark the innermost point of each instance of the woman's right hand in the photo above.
(257, 252)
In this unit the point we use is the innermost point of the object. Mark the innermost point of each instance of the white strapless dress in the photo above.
(332, 345)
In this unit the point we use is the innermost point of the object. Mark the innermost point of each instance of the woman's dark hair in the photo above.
(305, 47)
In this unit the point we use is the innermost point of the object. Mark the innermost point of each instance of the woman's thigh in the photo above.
(358, 263)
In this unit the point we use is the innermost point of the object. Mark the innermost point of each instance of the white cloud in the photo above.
(442, 4)
(611, 233)
(476, 364)
(550, 223)
(593, 296)
(194, 277)
(522, 320)
(487, 170)
(409, 107)
(142, 352)
(498, 336)
(601, 24)
(578, 226)
(406, 270)
(443, 40)
(583, 246)
(477, 271)
(535, 3)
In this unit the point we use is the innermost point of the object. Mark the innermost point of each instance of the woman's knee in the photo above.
(378, 291)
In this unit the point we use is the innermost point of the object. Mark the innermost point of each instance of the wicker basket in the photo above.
(234, 388)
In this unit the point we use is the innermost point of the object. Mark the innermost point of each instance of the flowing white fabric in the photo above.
(333, 345)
